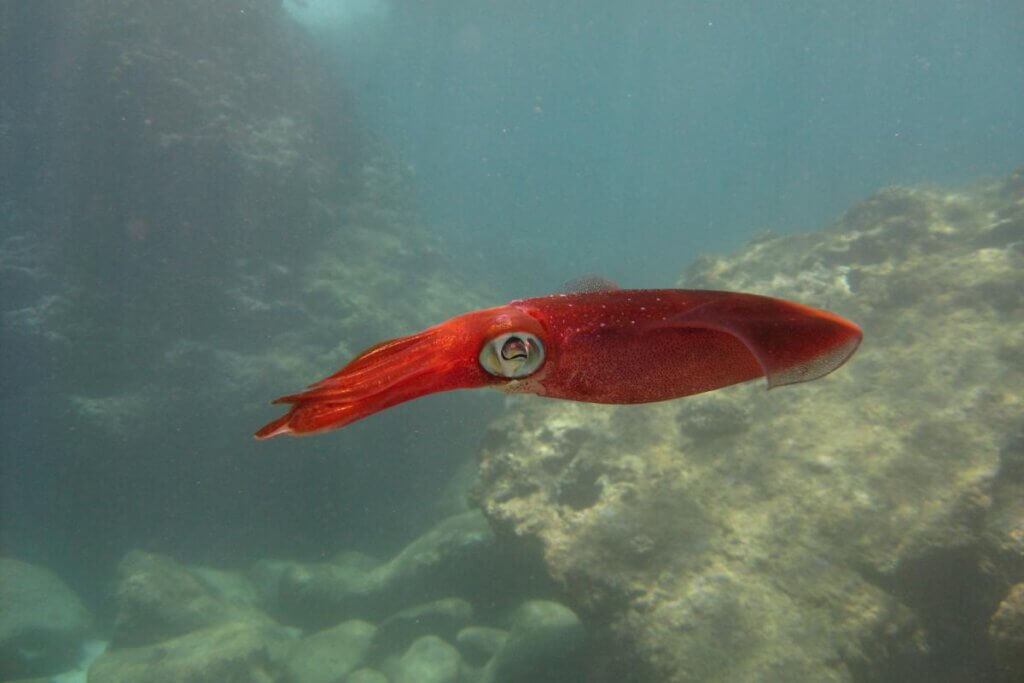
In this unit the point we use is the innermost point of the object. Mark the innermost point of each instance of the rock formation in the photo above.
(861, 527)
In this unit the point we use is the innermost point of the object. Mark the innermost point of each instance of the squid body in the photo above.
(606, 346)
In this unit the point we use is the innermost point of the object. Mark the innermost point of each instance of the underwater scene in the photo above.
(639, 342)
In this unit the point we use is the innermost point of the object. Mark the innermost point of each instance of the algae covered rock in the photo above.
(428, 660)
(860, 527)
(158, 598)
(1004, 523)
(479, 643)
(366, 676)
(229, 653)
(230, 586)
(1006, 631)
(43, 624)
(328, 655)
(543, 644)
(442, 618)
(457, 557)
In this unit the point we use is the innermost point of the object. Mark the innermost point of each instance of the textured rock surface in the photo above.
(1004, 525)
(328, 655)
(1007, 633)
(157, 598)
(824, 532)
(428, 660)
(42, 622)
(459, 555)
(232, 587)
(543, 644)
(441, 618)
(477, 644)
(229, 653)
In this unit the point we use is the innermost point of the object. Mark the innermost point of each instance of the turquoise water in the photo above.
(553, 139)
(204, 206)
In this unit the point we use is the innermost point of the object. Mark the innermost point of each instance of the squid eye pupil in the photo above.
(513, 355)
(515, 348)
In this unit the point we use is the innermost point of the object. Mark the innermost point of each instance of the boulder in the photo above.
(366, 676)
(317, 594)
(158, 598)
(328, 655)
(543, 645)
(441, 618)
(457, 557)
(428, 660)
(355, 560)
(43, 624)
(228, 653)
(229, 586)
(266, 576)
(1006, 632)
(477, 644)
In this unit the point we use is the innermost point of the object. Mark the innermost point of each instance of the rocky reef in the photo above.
(237, 194)
(349, 619)
(863, 527)
(194, 220)
(453, 606)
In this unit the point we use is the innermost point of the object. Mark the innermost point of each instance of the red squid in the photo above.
(606, 346)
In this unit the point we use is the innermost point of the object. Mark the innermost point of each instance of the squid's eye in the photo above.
(512, 355)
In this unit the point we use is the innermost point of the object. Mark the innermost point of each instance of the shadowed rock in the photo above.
(428, 660)
(229, 653)
(157, 598)
(442, 618)
(1006, 631)
(477, 644)
(328, 655)
(42, 622)
(543, 644)
(457, 557)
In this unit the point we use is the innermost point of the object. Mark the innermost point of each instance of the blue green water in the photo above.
(173, 188)
(553, 139)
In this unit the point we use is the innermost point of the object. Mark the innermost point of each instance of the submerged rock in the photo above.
(232, 587)
(157, 598)
(428, 660)
(366, 676)
(477, 644)
(43, 624)
(229, 653)
(442, 618)
(543, 644)
(1006, 631)
(829, 531)
(267, 575)
(328, 655)
(457, 557)
(1004, 524)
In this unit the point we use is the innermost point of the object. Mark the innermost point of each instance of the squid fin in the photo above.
(791, 342)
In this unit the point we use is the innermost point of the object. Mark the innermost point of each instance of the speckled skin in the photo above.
(609, 346)
(638, 346)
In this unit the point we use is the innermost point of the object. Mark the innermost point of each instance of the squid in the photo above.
(598, 345)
